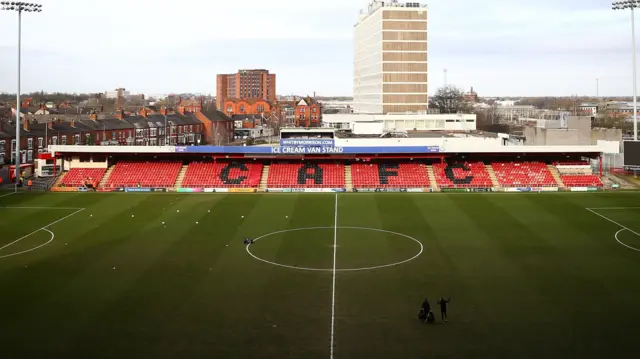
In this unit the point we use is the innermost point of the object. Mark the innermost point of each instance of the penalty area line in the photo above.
(42, 229)
(624, 228)
(612, 221)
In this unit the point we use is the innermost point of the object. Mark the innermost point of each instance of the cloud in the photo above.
(500, 47)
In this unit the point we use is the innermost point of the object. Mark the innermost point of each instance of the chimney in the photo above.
(25, 124)
(120, 114)
(181, 110)
(73, 123)
(49, 125)
(142, 112)
(101, 108)
(93, 116)
(42, 106)
(163, 111)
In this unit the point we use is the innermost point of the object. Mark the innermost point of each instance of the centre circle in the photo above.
(305, 245)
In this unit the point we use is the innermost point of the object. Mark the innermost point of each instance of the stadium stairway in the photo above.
(348, 181)
(432, 178)
(556, 175)
(492, 175)
(59, 179)
(181, 175)
(623, 182)
(264, 179)
(106, 176)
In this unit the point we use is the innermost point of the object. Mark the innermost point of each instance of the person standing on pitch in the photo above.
(443, 307)
(425, 309)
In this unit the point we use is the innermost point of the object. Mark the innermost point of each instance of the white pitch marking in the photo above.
(612, 208)
(623, 228)
(333, 286)
(626, 245)
(337, 270)
(68, 208)
(31, 249)
(8, 194)
(42, 228)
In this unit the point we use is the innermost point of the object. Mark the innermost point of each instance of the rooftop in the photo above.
(375, 5)
(422, 134)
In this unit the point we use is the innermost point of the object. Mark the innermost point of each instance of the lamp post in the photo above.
(19, 7)
(631, 5)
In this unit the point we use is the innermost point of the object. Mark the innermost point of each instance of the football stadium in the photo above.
(321, 247)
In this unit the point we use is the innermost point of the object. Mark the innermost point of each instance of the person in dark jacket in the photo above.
(425, 309)
(426, 306)
(443, 307)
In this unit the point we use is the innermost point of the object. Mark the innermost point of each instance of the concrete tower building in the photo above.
(390, 58)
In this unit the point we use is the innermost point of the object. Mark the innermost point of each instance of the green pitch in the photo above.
(530, 275)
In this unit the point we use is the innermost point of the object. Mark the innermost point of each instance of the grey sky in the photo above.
(501, 47)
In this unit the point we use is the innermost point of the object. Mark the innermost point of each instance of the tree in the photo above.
(450, 99)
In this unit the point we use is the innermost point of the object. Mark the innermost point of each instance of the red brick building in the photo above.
(191, 105)
(249, 106)
(308, 112)
(471, 96)
(141, 128)
(259, 84)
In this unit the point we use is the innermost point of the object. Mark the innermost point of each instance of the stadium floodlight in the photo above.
(631, 5)
(19, 7)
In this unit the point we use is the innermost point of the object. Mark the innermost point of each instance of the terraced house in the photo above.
(142, 128)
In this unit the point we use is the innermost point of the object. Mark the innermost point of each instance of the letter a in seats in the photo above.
(310, 171)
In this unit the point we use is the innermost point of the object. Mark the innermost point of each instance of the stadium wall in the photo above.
(448, 144)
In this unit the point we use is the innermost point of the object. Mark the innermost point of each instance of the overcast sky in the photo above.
(501, 47)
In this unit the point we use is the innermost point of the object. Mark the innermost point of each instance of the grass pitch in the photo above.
(530, 275)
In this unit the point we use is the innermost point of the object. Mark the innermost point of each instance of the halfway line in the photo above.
(333, 287)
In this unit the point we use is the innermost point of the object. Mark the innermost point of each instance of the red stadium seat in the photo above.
(146, 174)
(307, 175)
(396, 175)
(467, 175)
(76, 177)
(523, 174)
(222, 175)
(577, 180)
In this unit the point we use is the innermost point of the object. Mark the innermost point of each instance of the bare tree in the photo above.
(450, 99)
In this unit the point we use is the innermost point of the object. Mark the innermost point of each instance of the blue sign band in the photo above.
(306, 142)
(305, 150)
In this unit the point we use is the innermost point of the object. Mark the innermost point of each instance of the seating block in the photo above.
(76, 177)
(306, 175)
(222, 175)
(526, 174)
(144, 174)
(462, 175)
(395, 175)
